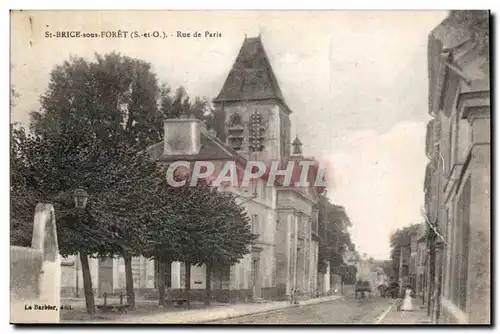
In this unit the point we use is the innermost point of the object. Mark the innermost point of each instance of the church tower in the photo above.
(255, 118)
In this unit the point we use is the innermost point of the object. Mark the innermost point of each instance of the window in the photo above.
(255, 224)
(263, 190)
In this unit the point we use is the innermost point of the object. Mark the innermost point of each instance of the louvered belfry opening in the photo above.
(256, 133)
(235, 132)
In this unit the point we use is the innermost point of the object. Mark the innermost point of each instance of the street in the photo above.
(342, 311)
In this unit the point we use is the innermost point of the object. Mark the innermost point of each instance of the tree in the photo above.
(115, 98)
(208, 226)
(95, 118)
(387, 267)
(13, 97)
(333, 224)
(400, 238)
(54, 166)
(23, 198)
(177, 104)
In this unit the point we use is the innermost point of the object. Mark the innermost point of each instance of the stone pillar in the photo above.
(327, 278)
(94, 274)
(295, 253)
(289, 254)
(306, 255)
(176, 275)
(116, 281)
(36, 272)
(150, 265)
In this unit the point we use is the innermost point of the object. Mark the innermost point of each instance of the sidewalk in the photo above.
(416, 317)
(216, 313)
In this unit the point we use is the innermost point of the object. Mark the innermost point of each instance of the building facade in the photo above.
(458, 176)
(253, 124)
(421, 262)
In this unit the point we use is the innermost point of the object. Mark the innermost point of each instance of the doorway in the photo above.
(256, 278)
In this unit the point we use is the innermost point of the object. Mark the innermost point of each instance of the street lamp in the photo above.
(80, 197)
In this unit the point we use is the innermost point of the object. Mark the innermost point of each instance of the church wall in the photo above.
(291, 199)
(302, 254)
(283, 238)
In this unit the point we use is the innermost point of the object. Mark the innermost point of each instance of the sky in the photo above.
(356, 83)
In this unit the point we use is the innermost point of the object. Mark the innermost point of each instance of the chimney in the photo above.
(182, 136)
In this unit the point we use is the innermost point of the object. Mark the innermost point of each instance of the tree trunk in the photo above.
(167, 264)
(188, 283)
(87, 283)
(161, 282)
(129, 280)
(208, 286)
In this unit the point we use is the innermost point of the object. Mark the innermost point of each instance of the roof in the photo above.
(462, 32)
(251, 77)
(211, 149)
(451, 32)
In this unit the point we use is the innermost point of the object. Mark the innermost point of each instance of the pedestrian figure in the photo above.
(293, 296)
(407, 301)
(399, 303)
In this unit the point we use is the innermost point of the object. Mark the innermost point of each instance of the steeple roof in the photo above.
(297, 146)
(251, 77)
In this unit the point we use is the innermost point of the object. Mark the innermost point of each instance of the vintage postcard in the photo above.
(253, 167)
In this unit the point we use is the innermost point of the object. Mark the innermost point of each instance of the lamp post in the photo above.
(80, 197)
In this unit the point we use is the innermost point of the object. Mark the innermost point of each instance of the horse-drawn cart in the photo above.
(363, 288)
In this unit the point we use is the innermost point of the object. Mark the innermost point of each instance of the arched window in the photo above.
(236, 119)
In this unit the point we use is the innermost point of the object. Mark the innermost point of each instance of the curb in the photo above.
(384, 314)
(265, 311)
(244, 315)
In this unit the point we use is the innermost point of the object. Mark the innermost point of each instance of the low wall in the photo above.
(198, 295)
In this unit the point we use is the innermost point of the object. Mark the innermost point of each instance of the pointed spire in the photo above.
(251, 76)
(297, 146)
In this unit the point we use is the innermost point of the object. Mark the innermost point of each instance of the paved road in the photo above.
(344, 311)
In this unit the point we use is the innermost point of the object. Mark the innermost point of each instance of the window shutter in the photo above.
(429, 139)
